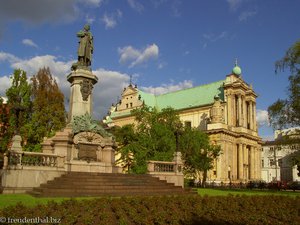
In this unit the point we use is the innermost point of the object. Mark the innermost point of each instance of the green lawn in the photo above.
(28, 200)
(224, 192)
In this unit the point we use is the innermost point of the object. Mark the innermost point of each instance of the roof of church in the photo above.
(186, 98)
(182, 99)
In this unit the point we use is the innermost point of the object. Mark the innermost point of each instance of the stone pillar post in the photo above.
(82, 82)
(239, 110)
(229, 110)
(250, 115)
(252, 163)
(244, 113)
(234, 161)
(240, 162)
(258, 163)
(233, 112)
(254, 116)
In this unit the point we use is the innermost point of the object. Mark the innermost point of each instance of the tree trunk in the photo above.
(204, 178)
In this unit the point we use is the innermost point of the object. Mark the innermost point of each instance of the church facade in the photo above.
(225, 110)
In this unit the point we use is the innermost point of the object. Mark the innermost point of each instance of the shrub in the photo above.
(189, 209)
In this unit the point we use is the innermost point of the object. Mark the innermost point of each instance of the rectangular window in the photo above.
(272, 162)
(262, 163)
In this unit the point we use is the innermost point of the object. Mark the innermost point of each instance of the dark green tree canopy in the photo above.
(19, 98)
(286, 112)
(48, 109)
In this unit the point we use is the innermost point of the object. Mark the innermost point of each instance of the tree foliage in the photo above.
(156, 135)
(18, 96)
(152, 138)
(41, 109)
(198, 153)
(48, 112)
(286, 112)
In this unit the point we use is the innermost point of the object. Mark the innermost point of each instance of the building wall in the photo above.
(230, 123)
(277, 162)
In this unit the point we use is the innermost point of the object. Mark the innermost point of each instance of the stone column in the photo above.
(229, 109)
(234, 161)
(244, 113)
(233, 112)
(250, 115)
(252, 163)
(254, 116)
(240, 162)
(239, 110)
(258, 163)
(82, 82)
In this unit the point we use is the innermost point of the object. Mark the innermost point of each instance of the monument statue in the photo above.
(85, 49)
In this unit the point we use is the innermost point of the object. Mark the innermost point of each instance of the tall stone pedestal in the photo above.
(82, 82)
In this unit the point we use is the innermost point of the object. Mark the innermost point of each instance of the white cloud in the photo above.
(137, 6)
(262, 117)
(211, 37)
(96, 3)
(8, 57)
(89, 19)
(234, 4)
(105, 92)
(165, 88)
(110, 20)
(244, 16)
(176, 8)
(4, 84)
(29, 42)
(136, 56)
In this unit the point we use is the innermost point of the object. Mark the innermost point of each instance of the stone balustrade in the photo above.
(168, 171)
(161, 166)
(18, 159)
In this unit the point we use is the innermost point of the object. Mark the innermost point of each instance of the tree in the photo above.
(49, 113)
(153, 138)
(125, 137)
(198, 153)
(286, 112)
(19, 105)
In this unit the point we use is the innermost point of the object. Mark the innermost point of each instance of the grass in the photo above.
(225, 192)
(28, 200)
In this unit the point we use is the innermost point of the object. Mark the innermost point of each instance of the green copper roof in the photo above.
(182, 99)
(192, 97)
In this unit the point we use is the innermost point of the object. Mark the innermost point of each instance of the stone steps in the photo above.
(76, 184)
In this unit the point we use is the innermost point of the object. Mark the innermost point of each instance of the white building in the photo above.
(277, 158)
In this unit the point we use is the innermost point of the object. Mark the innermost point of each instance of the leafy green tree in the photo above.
(198, 153)
(49, 113)
(125, 137)
(152, 138)
(286, 112)
(18, 102)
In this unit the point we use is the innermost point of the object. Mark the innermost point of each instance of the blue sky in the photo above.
(165, 45)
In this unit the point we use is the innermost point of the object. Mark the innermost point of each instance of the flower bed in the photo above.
(167, 210)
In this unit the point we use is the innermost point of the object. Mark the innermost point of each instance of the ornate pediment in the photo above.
(88, 137)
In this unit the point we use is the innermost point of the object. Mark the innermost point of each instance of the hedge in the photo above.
(165, 210)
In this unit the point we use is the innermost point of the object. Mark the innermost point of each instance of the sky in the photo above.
(164, 45)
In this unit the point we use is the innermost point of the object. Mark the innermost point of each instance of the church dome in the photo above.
(236, 69)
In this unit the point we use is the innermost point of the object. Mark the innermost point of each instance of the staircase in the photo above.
(77, 184)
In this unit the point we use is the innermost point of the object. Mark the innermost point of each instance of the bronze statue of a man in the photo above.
(85, 49)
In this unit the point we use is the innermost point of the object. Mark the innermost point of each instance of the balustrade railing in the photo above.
(21, 158)
(162, 167)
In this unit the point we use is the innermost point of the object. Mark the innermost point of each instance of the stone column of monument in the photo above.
(81, 78)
